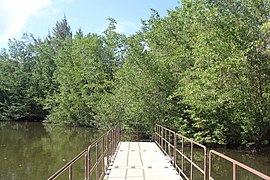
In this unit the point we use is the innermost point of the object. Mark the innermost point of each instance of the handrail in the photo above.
(235, 164)
(68, 166)
(102, 150)
(168, 141)
(100, 154)
(135, 132)
(202, 170)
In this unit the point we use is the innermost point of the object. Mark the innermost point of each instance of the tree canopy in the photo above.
(202, 70)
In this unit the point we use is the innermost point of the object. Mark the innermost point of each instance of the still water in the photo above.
(222, 169)
(34, 151)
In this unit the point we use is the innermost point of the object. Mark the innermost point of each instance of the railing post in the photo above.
(70, 172)
(210, 165)
(116, 135)
(111, 141)
(103, 156)
(169, 145)
(204, 162)
(111, 134)
(115, 138)
(234, 171)
(86, 166)
(137, 129)
(114, 142)
(174, 149)
(89, 161)
(162, 138)
(107, 148)
(165, 143)
(191, 159)
(155, 134)
(119, 131)
(96, 160)
(182, 164)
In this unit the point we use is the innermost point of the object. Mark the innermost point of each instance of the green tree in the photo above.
(224, 87)
(19, 91)
(82, 78)
(62, 29)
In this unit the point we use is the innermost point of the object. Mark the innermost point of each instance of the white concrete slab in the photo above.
(141, 161)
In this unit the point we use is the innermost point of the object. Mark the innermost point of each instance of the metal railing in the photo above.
(235, 164)
(180, 150)
(191, 159)
(100, 154)
(170, 142)
(136, 132)
(69, 166)
(97, 157)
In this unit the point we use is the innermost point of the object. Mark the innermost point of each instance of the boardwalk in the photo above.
(108, 158)
(140, 161)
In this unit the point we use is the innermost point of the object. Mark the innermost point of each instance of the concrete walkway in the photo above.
(141, 161)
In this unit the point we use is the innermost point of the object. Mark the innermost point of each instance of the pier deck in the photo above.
(140, 161)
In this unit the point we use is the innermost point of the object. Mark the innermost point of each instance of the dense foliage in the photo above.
(203, 70)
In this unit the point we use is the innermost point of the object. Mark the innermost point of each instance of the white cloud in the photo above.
(126, 26)
(15, 13)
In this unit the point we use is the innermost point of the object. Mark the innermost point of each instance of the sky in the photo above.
(40, 16)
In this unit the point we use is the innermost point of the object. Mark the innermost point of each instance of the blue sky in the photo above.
(40, 16)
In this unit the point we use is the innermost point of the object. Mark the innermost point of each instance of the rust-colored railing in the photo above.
(136, 132)
(187, 156)
(100, 154)
(235, 164)
(181, 150)
(69, 166)
(191, 160)
(97, 157)
(173, 145)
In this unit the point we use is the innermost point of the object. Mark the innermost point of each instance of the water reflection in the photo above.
(223, 169)
(35, 151)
